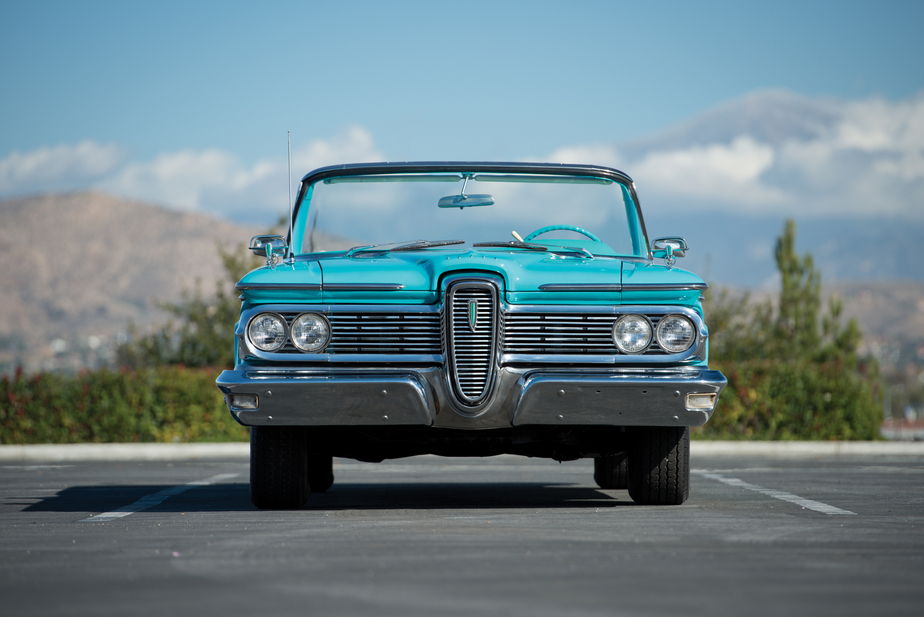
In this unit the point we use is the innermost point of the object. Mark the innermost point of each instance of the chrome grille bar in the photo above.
(565, 333)
(379, 333)
(472, 322)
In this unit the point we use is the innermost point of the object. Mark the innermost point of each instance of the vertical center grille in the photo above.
(472, 320)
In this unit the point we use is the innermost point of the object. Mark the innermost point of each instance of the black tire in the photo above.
(278, 467)
(611, 471)
(320, 473)
(659, 465)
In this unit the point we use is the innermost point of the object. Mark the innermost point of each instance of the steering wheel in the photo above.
(549, 228)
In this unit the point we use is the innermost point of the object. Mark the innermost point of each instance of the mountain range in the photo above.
(78, 267)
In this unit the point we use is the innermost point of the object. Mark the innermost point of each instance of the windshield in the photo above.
(391, 210)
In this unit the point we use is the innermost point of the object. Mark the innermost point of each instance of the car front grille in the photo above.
(472, 322)
(429, 334)
(380, 333)
(565, 333)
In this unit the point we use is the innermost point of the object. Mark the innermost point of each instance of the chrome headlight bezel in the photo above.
(321, 321)
(638, 320)
(661, 333)
(281, 340)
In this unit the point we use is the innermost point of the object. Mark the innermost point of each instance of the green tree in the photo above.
(743, 330)
(788, 379)
(796, 325)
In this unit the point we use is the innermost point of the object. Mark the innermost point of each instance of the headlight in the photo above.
(675, 333)
(310, 332)
(632, 333)
(267, 332)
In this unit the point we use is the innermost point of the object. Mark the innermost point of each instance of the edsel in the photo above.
(483, 309)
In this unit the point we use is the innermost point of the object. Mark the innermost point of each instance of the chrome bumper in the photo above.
(422, 397)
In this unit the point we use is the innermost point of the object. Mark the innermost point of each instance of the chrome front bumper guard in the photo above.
(421, 397)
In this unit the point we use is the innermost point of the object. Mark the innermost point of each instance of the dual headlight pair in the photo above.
(309, 332)
(633, 333)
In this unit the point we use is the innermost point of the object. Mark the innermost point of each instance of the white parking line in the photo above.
(149, 501)
(781, 495)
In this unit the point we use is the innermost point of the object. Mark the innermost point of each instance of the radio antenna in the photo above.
(289, 145)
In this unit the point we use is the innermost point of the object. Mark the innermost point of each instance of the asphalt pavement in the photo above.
(765, 532)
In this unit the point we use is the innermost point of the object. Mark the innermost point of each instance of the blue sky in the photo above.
(122, 94)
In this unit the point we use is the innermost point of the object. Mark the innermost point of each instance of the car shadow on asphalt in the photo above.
(461, 496)
(232, 497)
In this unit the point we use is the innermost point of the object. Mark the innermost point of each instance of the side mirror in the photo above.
(272, 247)
(669, 249)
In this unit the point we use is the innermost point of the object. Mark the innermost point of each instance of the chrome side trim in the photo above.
(623, 287)
(581, 287)
(363, 287)
(663, 287)
(278, 286)
(320, 287)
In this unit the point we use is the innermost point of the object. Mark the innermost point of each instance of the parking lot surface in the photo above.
(795, 535)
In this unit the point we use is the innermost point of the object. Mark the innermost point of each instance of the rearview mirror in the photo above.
(466, 201)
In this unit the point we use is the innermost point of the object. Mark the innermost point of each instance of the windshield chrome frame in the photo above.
(552, 169)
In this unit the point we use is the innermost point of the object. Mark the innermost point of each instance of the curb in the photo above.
(194, 451)
(806, 449)
(123, 452)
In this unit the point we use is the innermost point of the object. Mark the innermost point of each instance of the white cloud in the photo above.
(210, 180)
(595, 154)
(58, 167)
(730, 173)
(218, 182)
(876, 125)
(181, 179)
(865, 159)
(355, 145)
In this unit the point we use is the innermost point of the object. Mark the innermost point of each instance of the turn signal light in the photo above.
(700, 401)
(244, 401)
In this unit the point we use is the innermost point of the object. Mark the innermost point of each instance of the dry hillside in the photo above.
(75, 268)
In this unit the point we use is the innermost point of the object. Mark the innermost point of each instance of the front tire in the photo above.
(278, 467)
(611, 471)
(659, 465)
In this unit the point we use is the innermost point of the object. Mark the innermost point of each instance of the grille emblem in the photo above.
(472, 315)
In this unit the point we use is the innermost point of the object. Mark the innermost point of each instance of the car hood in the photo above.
(415, 277)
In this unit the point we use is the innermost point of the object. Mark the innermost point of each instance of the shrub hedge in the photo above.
(165, 404)
(795, 399)
(764, 400)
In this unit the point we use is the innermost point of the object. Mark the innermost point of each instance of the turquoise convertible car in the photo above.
(481, 309)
